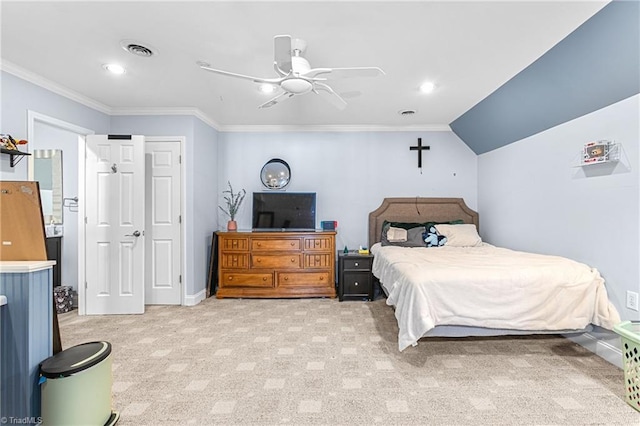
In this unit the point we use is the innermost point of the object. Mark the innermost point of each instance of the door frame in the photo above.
(82, 132)
(32, 118)
(183, 190)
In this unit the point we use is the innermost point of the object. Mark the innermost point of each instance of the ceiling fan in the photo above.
(295, 75)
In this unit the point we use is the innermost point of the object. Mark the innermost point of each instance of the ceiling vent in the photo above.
(407, 112)
(137, 49)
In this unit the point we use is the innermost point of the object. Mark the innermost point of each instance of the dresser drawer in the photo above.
(318, 260)
(304, 279)
(234, 244)
(276, 261)
(234, 260)
(231, 279)
(318, 243)
(276, 244)
(363, 264)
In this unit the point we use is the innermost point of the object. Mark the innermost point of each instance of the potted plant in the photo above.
(233, 202)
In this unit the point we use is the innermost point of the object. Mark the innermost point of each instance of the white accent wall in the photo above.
(533, 197)
(350, 172)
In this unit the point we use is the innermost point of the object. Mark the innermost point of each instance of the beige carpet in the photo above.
(320, 361)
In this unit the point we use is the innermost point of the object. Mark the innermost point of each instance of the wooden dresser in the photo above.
(276, 264)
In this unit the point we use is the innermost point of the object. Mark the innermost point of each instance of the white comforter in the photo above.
(490, 287)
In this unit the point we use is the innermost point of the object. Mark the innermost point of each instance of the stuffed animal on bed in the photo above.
(432, 238)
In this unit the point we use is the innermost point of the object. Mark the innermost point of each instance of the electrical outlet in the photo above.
(632, 300)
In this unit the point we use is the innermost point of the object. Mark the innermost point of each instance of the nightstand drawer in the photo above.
(363, 264)
(357, 283)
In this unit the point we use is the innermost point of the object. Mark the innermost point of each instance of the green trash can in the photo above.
(630, 335)
(76, 386)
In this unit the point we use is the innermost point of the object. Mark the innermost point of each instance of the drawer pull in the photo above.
(264, 278)
(286, 278)
(321, 278)
(356, 263)
(293, 260)
(258, 260)
(259, 244)
(230, 278)
(293, 244)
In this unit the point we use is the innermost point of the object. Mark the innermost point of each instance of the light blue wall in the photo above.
(534, 197)
(19, 96)
(351, 172)
(205, 184)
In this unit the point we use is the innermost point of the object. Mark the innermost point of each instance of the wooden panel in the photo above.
(318, 243)
(231, 279)
(22, 230)
(313, 279)
(275, 244)
(276, 261)
(319, 260)
(234, 260)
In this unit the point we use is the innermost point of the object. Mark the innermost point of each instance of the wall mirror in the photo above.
(275, 174)
(47, 170)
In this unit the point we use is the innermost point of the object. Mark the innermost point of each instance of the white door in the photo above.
(114, 229)
(163, 264)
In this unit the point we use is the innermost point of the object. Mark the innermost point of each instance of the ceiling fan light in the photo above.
(114, 68)
(427, 87)
(267, 88)
(296, 85)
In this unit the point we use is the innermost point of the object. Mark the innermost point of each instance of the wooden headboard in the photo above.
(419, 210)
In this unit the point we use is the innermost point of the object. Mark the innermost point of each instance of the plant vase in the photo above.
(232, 225)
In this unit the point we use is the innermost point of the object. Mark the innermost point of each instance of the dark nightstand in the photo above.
(355, 280)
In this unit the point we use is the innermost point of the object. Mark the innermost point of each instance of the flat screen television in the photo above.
(293, 211)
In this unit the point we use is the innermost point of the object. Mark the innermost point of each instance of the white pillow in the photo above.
(396, 235)
(464, 235)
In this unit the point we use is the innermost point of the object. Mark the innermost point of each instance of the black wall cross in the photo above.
(419, 148)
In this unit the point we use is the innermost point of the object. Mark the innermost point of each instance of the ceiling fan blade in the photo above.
(329, 95)
(246, 77)
(330, 73)
(282, 54)
(281, 97)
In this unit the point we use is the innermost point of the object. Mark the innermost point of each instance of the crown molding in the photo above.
(38, 80)
(167, 111)
(268, 128)
(56, 88)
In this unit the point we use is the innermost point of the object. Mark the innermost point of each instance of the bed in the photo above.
(463, 286)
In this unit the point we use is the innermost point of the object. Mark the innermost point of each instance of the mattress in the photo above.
(489, 287)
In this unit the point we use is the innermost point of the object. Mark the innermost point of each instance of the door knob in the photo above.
(135, 234)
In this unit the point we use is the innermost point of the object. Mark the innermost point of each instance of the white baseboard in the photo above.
(599, 347)
(194, 299)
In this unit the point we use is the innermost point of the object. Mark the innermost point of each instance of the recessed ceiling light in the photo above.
(114, 68)
(267, 88)
(427, 87)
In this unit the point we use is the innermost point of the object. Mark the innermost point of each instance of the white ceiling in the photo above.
(468, 49)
